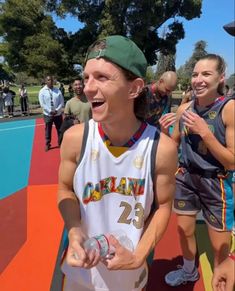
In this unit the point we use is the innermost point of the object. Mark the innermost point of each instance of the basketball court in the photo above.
(31, 228)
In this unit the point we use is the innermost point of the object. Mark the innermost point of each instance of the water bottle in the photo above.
(101, 244)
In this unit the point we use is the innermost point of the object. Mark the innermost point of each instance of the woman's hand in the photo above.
(166, 121)
(195, 123)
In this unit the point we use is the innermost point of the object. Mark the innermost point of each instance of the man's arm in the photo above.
(60, 103)
(67, 110)
(42, 102)
(67, 201)
(166, 164)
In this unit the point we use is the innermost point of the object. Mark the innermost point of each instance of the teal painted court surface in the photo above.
(16, 143)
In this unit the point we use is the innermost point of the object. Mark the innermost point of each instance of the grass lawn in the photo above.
(32, 94)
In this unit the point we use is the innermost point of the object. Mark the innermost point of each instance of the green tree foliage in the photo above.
(139, 20)
(23, 78)
(31, 38)
(6, 73)
(35, 45)
(185, 72)
(150, 76)
(165, 63)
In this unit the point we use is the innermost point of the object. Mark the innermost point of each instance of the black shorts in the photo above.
(214, 196)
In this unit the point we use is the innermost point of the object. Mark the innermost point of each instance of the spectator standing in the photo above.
(13, 95)
(8, 100)
(76, 110)
(205, 129)
(105, 177)
(62, 90)
(23, 99)
(52, 102)
(160, 97)
(75, 107)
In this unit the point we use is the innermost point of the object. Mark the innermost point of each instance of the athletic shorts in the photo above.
(214, 196)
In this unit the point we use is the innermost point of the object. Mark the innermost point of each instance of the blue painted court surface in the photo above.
(16, 143)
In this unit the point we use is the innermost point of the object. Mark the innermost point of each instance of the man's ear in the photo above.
(136, 87)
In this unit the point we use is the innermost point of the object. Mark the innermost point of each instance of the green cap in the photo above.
(121, 51)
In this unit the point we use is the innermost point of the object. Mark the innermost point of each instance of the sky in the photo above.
(209, 27)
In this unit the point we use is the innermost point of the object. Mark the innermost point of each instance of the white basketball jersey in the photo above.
(114, 193)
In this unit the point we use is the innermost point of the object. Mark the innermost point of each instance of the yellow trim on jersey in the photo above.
(115, 150)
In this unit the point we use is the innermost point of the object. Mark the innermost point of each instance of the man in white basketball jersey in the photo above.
(117, 172)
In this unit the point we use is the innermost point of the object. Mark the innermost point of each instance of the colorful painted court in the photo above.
(31, 228)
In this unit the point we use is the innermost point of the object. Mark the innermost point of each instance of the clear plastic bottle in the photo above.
(101, 244)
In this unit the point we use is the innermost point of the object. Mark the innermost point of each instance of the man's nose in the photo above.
(90, 85)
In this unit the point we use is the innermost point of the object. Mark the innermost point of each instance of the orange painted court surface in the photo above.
(31, 226)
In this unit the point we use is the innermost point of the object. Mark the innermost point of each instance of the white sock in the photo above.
(188, 265)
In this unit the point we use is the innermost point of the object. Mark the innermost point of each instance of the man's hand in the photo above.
(54, 112)
(123, 259)
(77, 256)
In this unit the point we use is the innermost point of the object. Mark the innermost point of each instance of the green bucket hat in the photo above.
(121, 51)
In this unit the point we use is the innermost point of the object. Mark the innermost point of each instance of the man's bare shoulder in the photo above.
(167, 153)
(75, 132)
(72, 140)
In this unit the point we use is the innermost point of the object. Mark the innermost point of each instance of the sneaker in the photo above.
(178, 277)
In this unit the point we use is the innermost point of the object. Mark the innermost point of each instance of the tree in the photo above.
(35, 45)
(31, 38)
(150, 76)
(185, 71)
(165, 63)
(5, 73)
(139, 20)
(198, 53)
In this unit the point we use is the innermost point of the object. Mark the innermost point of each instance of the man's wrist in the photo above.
(138, 260)
(76, 232)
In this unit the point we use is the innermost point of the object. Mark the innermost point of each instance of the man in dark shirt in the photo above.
(160, 97)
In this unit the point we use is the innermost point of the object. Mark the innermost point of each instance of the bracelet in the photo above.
(231, 256)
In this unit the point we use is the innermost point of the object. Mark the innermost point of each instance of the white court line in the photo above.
(21, 127)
